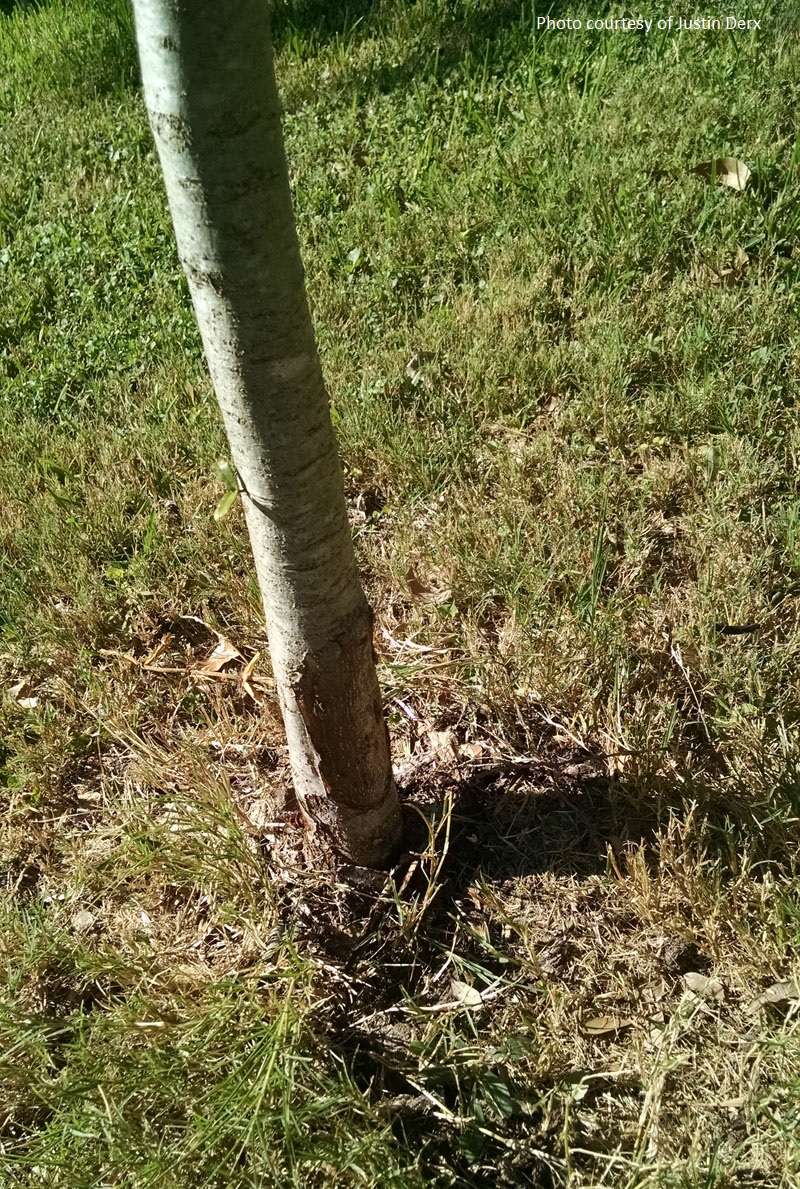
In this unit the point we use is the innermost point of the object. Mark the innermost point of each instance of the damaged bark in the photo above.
(352, 777)
(212, 101)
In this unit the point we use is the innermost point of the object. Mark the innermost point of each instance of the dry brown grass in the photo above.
(570, 462)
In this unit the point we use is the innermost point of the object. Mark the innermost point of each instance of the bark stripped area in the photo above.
(213, 105)
(352, 797)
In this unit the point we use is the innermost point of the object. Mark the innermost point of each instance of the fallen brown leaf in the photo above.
(700, 984)
(222, 655)
(727, 171)
(777, 995)
(444, 744)
(465, 994)
(605, 1025)
(21, 693)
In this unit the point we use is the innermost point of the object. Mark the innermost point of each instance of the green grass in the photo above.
(571, 457)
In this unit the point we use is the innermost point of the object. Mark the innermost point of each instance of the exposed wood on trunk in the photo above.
(210, 90)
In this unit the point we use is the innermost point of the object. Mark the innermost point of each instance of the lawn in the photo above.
(563, 364)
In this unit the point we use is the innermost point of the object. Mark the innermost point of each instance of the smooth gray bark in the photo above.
(212, 101)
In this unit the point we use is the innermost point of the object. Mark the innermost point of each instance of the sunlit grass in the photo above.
(570, 443)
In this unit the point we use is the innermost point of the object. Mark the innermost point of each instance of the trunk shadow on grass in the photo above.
(476, 37)
(532, 898)
(410, 1052)
(525, 820)
(359, 19)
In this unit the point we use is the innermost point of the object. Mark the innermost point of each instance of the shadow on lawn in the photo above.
(509, 822)
(436, 48)
(357, 19)
(483, 40)
(527, 820)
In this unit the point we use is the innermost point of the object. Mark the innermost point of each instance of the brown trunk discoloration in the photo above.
(210, 89)
(353, 766)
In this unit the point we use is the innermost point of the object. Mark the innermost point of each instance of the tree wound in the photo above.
(343, 677)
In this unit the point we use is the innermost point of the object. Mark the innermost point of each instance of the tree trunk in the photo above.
(212, 101)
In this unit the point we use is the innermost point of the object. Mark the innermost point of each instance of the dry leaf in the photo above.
(778, 995)
(21, 693)
(155, 653)
(700, 984)
(470, 751)
(417, 587)
(728, 171)
(605, 1025)
(222, 655)
(465, 994)
(247, 672)
(444, 744)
